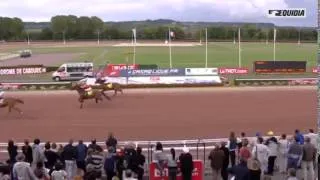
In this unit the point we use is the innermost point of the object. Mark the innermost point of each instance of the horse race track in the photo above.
(161, 114)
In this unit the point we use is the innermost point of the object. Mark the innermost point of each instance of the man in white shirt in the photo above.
(313, 137)
(283, 152)
(262, 154)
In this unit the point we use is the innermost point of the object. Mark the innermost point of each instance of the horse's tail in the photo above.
(20, 101)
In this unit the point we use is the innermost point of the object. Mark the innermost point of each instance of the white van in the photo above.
(73, 71)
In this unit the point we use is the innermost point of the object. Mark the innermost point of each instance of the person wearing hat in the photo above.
(273, 146)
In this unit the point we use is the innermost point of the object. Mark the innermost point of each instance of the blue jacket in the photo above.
(240, 171)
(82, 152)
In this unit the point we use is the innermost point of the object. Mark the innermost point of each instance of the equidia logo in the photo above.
(287, 13)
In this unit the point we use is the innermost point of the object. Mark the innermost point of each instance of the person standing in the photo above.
(262, 154)
(283, 150)
(224, 170)
(37, 153)
(51, 157)
(22, 169)
(82, 153)
(172, 165)
(273, 146)
(186, 164)
(13, 151)
(232, 145)
(295, 153)
(216, 157)
(69, 156)
(27, 151)
(308, 159)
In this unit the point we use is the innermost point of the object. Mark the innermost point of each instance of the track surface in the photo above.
(161, 114)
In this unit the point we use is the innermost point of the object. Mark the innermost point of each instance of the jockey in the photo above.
(86, 87)
(1, 93)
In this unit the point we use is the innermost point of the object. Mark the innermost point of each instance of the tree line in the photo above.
(72, 27)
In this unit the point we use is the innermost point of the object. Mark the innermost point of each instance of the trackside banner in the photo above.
(160, 80)
(233, 70)
(201, 71)
(197, 173)
(152, 72)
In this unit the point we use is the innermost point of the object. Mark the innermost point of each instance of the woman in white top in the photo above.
(283, 151)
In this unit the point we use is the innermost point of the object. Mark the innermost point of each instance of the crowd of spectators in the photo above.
(240, 158)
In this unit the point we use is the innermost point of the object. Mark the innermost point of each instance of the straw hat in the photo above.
(270, 133)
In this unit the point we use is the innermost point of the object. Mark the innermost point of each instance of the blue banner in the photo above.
(152, 72)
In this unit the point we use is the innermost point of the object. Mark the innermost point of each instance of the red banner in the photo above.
(114, 69)
(233, 70)
(315, 70)
(197, 173)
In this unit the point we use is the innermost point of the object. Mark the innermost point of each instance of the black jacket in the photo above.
(69, 153)
(186, 163)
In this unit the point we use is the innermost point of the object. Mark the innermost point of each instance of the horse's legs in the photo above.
(81, 102)
(105, 95)
(17, 109)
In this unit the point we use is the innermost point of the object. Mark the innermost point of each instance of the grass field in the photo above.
(219, 54)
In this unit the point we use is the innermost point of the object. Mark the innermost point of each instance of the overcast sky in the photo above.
(180, 10)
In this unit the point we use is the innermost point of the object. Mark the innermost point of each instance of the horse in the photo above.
(11, 104)
(83, 95)
(110, 86)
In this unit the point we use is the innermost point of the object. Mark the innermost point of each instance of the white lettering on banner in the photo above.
(165, 172)
(7, 71)
(32, 70)
(19, 71)
(122, 67)
(201, 71)
(233, 71)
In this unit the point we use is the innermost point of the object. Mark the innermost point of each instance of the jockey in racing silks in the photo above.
(87, 88)
(1, 93)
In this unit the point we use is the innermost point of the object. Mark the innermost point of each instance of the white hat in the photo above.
(185, 149)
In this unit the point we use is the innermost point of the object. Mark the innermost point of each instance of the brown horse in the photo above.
(11, 104)
(94, 94)
(116, 87)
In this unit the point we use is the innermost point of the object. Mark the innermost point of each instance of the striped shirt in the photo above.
(96, 161)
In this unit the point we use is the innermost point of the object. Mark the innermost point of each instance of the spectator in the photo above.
(95, 146)
(141, 159)
(172, 165)
(4, 171)
(27, 151)
(95, 160)
(240, 171)
(54, 148)
(313, 137)
(283, 150)
(295, 153)
(262, 154)
(120, 163)
(232, 145)
(186, 164)
(13, 151)
(224, 170)
(82, 153)
(244, 152)
(69, 157)
(51, 157)
(129, 175)
(254, 169)
(299, 136)
(41, 172)
(216, 157)
(37, 153)
(58, 172)
(273, 146)
(160, 158)
(292, 175)
(112, 142)
(22, 170)
(308, 159)
(130, 155)
(110, 163)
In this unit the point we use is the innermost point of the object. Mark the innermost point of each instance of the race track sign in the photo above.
(201, 71)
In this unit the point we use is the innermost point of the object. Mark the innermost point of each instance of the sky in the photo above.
(179, 10)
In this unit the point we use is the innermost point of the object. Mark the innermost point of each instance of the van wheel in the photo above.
(56, 78)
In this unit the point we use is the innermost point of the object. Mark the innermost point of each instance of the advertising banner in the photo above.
(201, 71)
(197, 173)
(19, 70)
(152, 72)
(303, 81)
(160, 80)
(114, 69)
(233, 70)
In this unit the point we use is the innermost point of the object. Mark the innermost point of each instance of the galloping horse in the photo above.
(109, 86)
(11, 104)
(94, 94)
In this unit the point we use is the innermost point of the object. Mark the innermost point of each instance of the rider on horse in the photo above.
(86, 88)
(1, 93)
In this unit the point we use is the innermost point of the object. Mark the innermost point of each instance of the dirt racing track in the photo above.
(161, 114)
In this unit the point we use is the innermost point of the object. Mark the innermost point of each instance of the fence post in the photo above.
(204, 154)
(198, 148)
